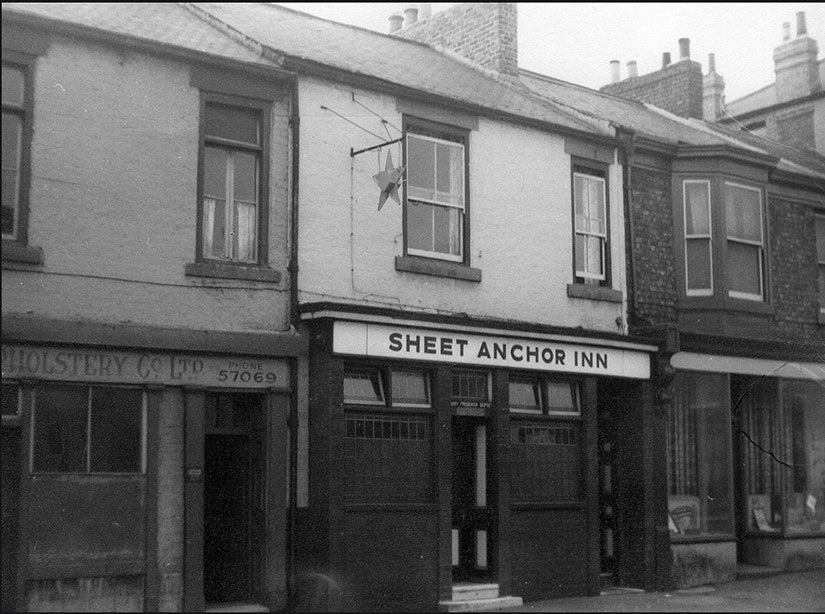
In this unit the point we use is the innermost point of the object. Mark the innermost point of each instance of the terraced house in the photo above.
(303, 316)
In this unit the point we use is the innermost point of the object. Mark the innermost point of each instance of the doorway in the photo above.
(234, 497)
(472, 518)
(608, 517)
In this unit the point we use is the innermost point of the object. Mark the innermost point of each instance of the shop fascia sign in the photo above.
(435, 345)
(88, 365)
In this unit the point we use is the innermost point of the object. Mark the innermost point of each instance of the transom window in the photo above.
(366, 385)
(88, 429)
(745, 249)
(231, 211)
(14, 121)
(537, 395)
(699, 278)
(435, 195)
(590, 214)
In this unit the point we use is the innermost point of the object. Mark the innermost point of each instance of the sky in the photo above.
(575, 42)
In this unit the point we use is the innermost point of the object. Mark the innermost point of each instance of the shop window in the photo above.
(538, 395)
(436, 207)
(364, 386)
(698, 457)
(387, 458)
(545, 461)
(590, 215)
(782, 436)
(80, 429)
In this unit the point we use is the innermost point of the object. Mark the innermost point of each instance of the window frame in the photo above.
(264, 110)
(695, 236)
(819, 238)
(26, 63)
(761, 297)
(385, 375)
(89, 390)
(591, 169)
(451, 135)
(543, 382)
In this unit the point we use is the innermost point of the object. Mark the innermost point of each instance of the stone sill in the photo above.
(438, 268)
(594, 293)
(15, 252)
(232, 271)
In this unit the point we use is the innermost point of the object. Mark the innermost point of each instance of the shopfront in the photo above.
(443, 453)
(746, 465)
(143, 480)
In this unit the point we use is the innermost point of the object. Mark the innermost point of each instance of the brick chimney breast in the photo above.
(796, 66)
(485, 33)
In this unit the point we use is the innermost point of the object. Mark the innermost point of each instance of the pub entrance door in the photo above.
(472, 517)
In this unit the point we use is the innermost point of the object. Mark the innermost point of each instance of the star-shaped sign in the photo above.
(388, 181)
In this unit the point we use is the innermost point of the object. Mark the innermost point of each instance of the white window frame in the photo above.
(601, 237)
(19, 110)
(698, 236)
(761, 245)
(441, 203)
(819, 222)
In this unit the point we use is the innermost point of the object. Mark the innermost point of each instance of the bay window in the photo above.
(745, 241)
(698, 270)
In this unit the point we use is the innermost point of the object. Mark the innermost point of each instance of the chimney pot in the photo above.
(410, 16)
(614, 71)
(801, 30)
(396, 19)
(425, 10)
(786, 31)
(631, 69)
(665, 59)
(684, 48)
(711, 63)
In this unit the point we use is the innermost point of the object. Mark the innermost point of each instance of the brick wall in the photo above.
(170, 501)
(796, 128)
(654, 288)
(793, 272)
(483, 32)
(677, 88)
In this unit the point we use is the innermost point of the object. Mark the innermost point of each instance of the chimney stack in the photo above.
(713, 92)
(684, 48)
(631, 69)
(396, 19)
(801, 30)
(665, 59)
(410, 15)
(786, 31)
(614, 71)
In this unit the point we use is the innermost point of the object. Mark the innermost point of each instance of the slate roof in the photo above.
(762, 98)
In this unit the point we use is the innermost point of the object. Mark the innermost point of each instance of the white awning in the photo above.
(692, 361)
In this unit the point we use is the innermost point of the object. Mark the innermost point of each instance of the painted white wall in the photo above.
(521, 225)
(114, 200)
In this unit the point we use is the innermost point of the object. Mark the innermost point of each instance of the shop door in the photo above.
(472, 521)
(11, 514)
(234, 479)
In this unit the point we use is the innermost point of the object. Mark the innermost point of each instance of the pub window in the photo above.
(410, 389)
(525, 395)
(698, 456)
(88, 429)
(538, 395)
(473, 386)
(546, 461)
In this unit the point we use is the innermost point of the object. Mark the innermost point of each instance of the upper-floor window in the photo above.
(820, 258)
(590, 208)
(723, 248)
(16, 122)
(745, 259)
(436, 207)
(232, 214)
(698, 270)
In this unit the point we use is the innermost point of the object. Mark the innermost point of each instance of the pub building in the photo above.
(448, 453)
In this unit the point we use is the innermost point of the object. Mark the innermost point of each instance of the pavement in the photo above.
(802, 591)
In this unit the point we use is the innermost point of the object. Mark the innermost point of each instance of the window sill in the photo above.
(438, 268)
(710, 303)
(594, 293)
(15, 252)
(232, 271)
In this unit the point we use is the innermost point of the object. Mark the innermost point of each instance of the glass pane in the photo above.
(420, 168)
(12, 129)
(14, 81)
(246, 176)
(447, 230)
(697, 208)
(581, 265)
(744, 272)
(420, 226)
(410, 388)
(450, 173)
(744, 213)
(470, 386)
(804, 407)
(580, 203)
(597, 204)
(525, 396)
(563, 397)
(244, 233)
(214, 172)
(698, 456)
(820, 238)
(698, 264)
(60, 416)
(363, 386)
(9, 202)
(595, 261)
(117, 425)
(214, 228)
(233, 123)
